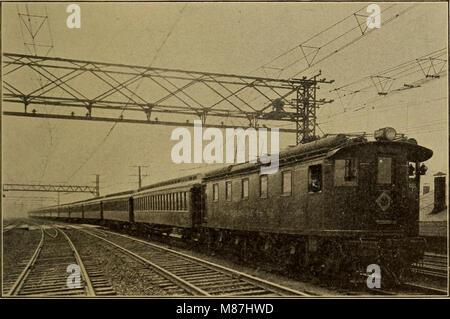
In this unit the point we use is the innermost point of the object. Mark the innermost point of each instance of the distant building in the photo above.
(433, 209)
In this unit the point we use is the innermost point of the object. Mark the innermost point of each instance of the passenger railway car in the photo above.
(337, 204)
(116, 207)
(76, 211)
(92, 210)
(172, 206)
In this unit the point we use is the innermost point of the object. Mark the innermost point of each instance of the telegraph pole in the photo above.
(139, 175)
(97, 185)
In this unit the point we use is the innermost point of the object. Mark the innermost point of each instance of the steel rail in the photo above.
(18, 284)
(270, 286)
(90, 292)
(26, 271)
(166, 274)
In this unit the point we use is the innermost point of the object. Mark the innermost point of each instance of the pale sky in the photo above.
(226, 38)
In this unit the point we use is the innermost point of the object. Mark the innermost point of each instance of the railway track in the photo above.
(47, 271)
(9, 226)
(430, 278)
(433, 266)
(187, 275)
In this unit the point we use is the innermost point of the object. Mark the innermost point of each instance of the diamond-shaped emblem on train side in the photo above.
(384, 201)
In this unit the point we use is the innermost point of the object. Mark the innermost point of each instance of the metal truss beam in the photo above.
(99, 91)
(50, 188)
(123, 120)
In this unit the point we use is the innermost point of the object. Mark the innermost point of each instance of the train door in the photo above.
(131, 209)
(314, 209)
(387, 192)
(412, 198)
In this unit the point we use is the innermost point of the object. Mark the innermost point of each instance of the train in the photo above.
(335, 206)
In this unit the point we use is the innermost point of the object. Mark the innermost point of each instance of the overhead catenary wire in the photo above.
(135, 90)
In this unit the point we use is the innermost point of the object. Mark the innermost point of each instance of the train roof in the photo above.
(328, 146)
(189, 179)
(414, 152)
(174, 183)
(313, 149)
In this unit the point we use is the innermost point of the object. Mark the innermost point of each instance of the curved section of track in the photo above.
(53, 269)
(9, 226)
(195, 276)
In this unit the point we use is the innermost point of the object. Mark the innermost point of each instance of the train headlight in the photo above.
(387, 133)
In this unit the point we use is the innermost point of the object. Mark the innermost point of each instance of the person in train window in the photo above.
(315, 185)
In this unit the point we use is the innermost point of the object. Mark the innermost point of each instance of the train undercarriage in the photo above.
(331, 260)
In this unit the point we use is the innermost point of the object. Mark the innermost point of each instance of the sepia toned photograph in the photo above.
(224, 150)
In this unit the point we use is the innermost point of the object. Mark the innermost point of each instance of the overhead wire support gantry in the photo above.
(100, 91)
(51, 188)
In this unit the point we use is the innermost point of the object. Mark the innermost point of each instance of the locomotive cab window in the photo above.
(346, 172)
(228, 191)
(384, 174)
(245, 188)
(315, 178)
(286, 182)
(263, 186)
(215, 192)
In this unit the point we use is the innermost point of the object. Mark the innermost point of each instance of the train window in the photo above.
(215, 192)
(411, 169)
(245, 188)
(384, 170)
(181, 201)
(228, 190)
(263, 186)
(185, 201)
(315, 178)
(286, 182)
(346, 172)
(350, 170)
